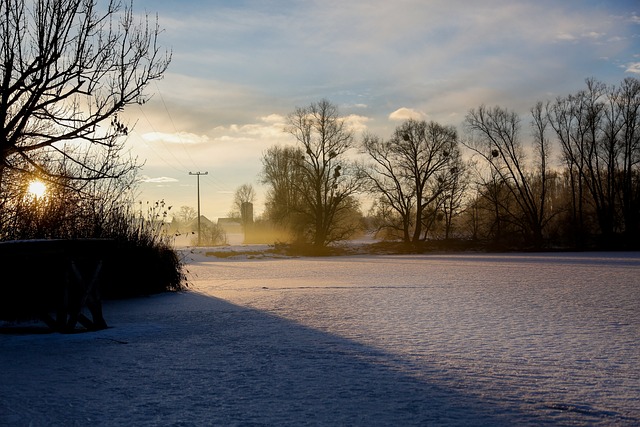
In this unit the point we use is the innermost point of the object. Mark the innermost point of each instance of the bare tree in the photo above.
(629, 105)
(570, 130)
(280, 171)
(405, 172)
(67, 68)
(243, 195)
(598, 132)
(451, 199)
(495, 207)
(186, 214)
(495, 137)
(394, 201)
(328, 180)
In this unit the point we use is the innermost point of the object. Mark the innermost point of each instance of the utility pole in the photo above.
(197, 174)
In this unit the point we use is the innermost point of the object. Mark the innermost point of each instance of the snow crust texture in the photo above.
(541, 339)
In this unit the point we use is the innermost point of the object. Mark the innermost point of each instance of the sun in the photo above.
(37, 189)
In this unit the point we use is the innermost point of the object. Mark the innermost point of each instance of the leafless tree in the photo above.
(280, 171)
(629, 105)
(455, 180)
(328, 180)
(406, 173)
(598, 130)
(67, 69)
(186, 214)
(243, 195)
(570, 130)
(495, 137)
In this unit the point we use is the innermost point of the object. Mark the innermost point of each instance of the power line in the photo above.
(164, 145)
(197, 174)
(212, 183)
(216, 184)
(173, 123)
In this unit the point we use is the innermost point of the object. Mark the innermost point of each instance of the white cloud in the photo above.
(633, 67)
(404, 113)
(590, 35)
(356, 123)
(273, 118)
(270, 128)
(593, 35)
(175, 138)
(566, 37)
(355, 106)
(158, 180)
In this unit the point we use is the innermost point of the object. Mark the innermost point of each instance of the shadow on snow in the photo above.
(191, 359)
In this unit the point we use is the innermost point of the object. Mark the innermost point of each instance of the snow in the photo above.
(469, 339)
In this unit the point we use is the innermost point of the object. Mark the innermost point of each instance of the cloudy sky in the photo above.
(240, 66)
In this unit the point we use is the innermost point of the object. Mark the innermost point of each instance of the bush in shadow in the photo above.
(138, 270)
(143, 262)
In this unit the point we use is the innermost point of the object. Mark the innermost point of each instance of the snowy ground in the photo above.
(544, 339)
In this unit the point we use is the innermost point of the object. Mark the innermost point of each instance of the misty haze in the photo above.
(359, 213)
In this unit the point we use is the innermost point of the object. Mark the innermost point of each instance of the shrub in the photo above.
(145, 261)
(210, 235)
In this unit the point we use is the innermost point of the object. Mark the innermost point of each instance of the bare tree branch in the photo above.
(67, 68)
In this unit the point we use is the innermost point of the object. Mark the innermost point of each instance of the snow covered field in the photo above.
(540, 339)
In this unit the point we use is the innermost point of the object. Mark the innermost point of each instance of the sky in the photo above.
(239, 67)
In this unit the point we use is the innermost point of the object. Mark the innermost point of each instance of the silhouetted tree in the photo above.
(67, 68)
(569, 127)
(490, 210)
(243, 194)
(280, 172)
(327, 181)
(452, 199)
(598, 132)
(597, 153)
(628, 102)
(495, 137)
(186, 214)
(408, 173)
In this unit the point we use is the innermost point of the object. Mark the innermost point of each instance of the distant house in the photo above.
(193, 224)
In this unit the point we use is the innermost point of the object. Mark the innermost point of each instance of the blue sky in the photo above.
(239, 67)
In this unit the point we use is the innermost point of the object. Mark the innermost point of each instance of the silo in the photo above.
(246, 213)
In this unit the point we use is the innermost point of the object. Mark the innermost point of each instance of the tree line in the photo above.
(566, 176)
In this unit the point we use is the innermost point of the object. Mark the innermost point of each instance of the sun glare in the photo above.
(37, 189)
